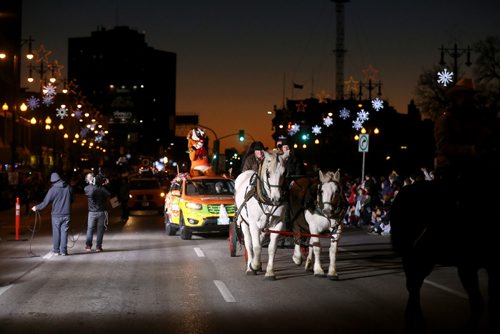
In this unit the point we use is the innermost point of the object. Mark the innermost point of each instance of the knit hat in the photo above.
(465, 85)
(258, 146)
(54, 177)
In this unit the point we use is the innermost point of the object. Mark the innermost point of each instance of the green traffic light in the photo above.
(242, 135)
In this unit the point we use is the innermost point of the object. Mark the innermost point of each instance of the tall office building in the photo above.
(131, 83)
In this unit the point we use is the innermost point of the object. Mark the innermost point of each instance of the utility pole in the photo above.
(339, 49)
(455, 53)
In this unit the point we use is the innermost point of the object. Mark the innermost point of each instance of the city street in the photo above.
(146, 281)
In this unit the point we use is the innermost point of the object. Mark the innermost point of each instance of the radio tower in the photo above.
(339, 50)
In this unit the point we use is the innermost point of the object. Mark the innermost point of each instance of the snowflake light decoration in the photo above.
(98, 139)
(84, 132)
(445, 77)
(49, 90)
(327, 121)
(377, 104)
(78, 113)
(33, 102)
(344, 113)
(316, 130)
(48, 100)
(62, 112)
(363, 115)
(294, 129)
(357, 124)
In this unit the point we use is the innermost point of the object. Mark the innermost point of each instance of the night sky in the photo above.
(233, 55)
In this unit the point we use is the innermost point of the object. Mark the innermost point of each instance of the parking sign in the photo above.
(363, 143)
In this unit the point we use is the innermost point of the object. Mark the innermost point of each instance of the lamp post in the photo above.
(455, 53)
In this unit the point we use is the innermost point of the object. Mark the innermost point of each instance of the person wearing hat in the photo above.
(60, 195)
(456, 133)
(458, 166)
(253, 157)
(293, 166)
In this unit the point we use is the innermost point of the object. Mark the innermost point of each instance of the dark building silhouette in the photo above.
(131, 83)
(10, 46)
(403, 142)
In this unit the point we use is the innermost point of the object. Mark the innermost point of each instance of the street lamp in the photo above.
(455, 53)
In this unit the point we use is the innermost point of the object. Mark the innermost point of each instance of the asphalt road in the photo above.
(146, 281)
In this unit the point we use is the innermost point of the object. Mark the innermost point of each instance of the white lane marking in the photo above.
(224, 291)
(342, 249)
(48, 255)
(4, 288)
(199, 252)
(444, 288)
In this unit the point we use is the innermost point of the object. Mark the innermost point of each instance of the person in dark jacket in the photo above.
(60, 195)
(253, 157)
(293, 165)
(97, 196)
(457, 134)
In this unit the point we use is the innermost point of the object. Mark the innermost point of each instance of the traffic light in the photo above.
(216, 146)
(216, 149)
(241, 135)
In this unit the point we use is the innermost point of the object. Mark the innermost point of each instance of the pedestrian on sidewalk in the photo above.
(97, 196)
(60, 195)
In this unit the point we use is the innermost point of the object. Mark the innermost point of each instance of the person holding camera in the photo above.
(97, 196)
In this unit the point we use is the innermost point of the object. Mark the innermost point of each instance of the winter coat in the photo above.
(97, 197)
(61, 196)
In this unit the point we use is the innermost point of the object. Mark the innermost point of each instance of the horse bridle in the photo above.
(261, 193)
(338, 209)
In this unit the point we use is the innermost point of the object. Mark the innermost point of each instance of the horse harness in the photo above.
(257, 190)
(337, 201)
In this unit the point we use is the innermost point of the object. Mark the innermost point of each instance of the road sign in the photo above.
(363, 143)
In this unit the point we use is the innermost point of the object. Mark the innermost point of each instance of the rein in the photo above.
(261, 195)
(256, 189)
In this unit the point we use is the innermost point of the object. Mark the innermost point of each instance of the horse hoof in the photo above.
(333, 277)
(251, 273)
(319, 275)
(255, 271)
(270, 278)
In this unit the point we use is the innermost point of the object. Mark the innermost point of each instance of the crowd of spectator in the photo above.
(370, 199)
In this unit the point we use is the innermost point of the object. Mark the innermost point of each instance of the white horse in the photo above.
(260, 202)
(326, 216)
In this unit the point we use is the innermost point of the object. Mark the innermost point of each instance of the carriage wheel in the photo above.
(233, 239)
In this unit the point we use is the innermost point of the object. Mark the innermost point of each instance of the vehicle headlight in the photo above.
(194, 206)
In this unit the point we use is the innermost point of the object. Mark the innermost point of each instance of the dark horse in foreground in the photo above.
(431, 225)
